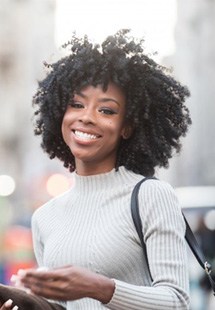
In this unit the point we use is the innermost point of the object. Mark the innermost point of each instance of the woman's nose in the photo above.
(88, 116)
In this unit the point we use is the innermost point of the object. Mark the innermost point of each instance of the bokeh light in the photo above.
(209, 220)
(7, 185)
(57, 184)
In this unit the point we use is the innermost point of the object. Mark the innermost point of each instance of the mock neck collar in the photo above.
(103, 181)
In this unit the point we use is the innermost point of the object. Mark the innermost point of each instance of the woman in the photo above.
(112, 115)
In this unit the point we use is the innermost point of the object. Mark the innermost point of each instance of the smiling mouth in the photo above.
(84, 135)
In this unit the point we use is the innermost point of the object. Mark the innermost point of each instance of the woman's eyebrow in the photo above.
(109, 99)
(79, 94)
(105, 99)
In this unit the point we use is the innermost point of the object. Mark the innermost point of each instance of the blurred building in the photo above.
(194, 66)
(26, 39)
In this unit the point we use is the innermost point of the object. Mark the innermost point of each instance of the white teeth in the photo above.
(84, 135)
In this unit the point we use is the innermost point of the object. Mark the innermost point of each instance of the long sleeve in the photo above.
(163, 230)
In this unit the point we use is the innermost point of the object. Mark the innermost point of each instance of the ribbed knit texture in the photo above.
(91, 226)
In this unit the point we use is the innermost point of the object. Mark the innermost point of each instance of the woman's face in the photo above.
(92, 127)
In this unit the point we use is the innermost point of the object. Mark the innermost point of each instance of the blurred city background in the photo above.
(31, 32)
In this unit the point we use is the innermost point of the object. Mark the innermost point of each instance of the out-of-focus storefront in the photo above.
(16, 247)
(16, 252)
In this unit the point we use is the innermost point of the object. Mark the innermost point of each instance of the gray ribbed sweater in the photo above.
(91, 226)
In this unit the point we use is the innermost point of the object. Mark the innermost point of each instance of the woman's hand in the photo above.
(8, 305)
(68, 283)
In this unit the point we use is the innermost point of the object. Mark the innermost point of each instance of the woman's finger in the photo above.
(8, 305)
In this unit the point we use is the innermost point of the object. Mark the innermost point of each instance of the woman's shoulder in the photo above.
(159, 207)
(52, 205)
(156, 186)
(158, 194)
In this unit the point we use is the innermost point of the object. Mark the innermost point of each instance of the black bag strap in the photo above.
(189, 236)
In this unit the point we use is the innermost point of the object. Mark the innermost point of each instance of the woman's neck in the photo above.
(87, 169)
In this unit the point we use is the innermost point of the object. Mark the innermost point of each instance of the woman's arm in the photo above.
(68, 283)
(163, 230)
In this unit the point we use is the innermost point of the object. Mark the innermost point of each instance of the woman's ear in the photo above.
(127, 131)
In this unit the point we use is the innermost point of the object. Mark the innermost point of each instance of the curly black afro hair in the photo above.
(155, 100)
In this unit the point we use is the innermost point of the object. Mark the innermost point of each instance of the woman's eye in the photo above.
(107, 111)
(76, 105)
